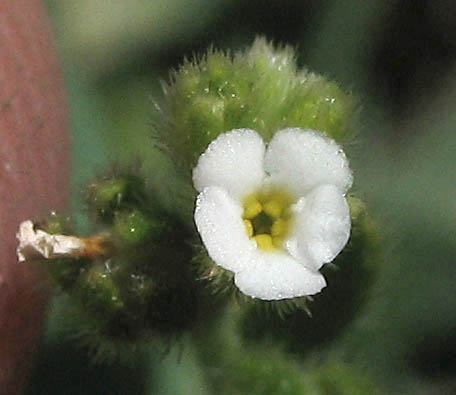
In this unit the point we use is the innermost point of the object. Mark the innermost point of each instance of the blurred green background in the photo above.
(397, 57)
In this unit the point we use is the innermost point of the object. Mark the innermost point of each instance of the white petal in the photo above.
(233, 161)
(275, 276)
(219, 222)
(322, 226)
(303, 159)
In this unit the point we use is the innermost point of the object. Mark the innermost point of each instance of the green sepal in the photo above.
(219, 283)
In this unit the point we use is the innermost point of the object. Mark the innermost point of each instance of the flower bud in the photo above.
(135, 227)
(99, 290)
(259, 88)
(56, 223)
(112, 194)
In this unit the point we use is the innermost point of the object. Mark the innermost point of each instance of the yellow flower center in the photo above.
(267, 217)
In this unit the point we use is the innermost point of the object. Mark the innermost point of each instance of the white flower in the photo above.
(273, 216)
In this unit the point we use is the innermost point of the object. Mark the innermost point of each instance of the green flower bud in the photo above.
(64, 271)
(321, 105)
(135, 227)
(56, 223)
(259, 88)
(99, 290)
(110, 195)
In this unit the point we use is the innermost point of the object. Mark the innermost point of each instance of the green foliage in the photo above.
(338, 378)
(269, 373)
(259, 88)
(233, 368)
(264, 373)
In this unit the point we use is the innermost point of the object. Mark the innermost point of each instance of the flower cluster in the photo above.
(273, 215)
(258, 139)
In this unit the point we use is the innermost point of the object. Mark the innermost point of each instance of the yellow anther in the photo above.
(287, 215)
(273, 208)
(249, 227)
(279, 228)
(278, 241)
(264, 242)
(267, 212)
(252, 208)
